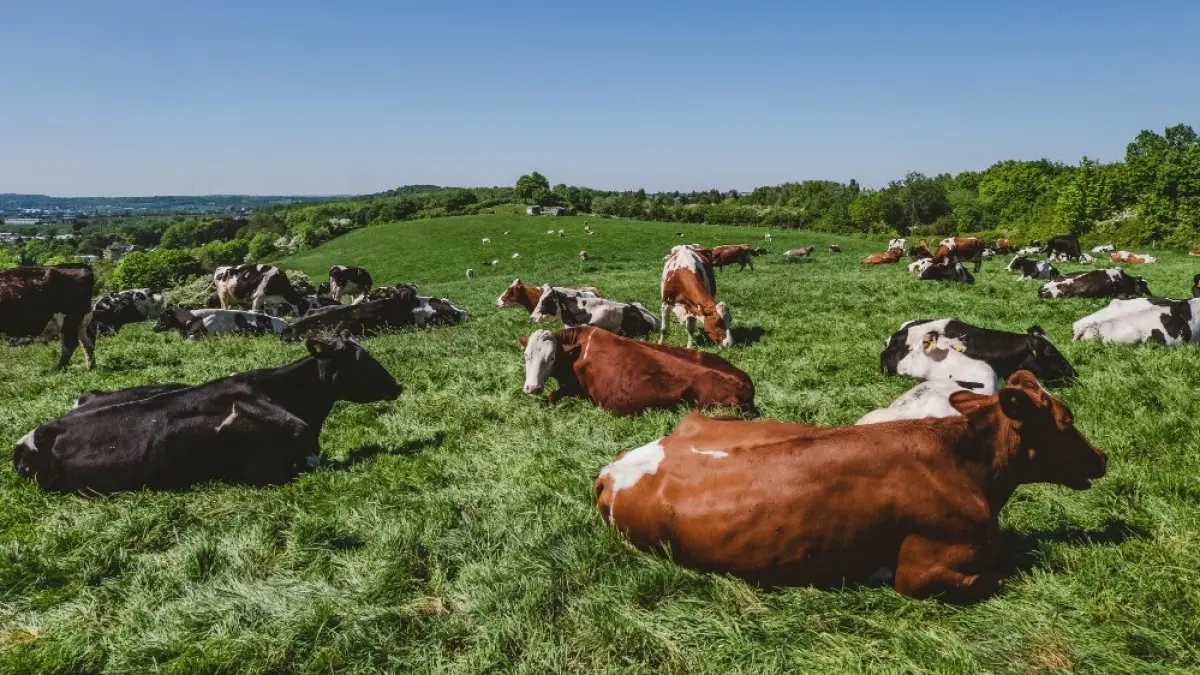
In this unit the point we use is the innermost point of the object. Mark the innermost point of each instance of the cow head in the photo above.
(351, 372)
(548, 306)
(1045, 360)
(718, 324)
(511, 295)
(1017, 263)
(174, 318)
(1140, 287)
(1052, 448)
(541, 351)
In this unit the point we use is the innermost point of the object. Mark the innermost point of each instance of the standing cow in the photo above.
(344, 280)
(32, 297)
(259, 286)
(689, 288)
(960, 249)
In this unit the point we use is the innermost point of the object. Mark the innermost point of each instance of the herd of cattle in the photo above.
(910, 493)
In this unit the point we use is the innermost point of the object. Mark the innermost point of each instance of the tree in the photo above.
(532, 187)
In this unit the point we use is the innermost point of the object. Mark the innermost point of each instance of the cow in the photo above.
(1128, 257)
(689, 288)
(195, 323)
(32, 297)
(583, 256)
(487, 241)
(834, 248)
(1162, 320)
(259, 427)
(958, 249)
(528, 295)
(1113, 282)
(470, 273)
(114, 310)
(803, 252)
(899, 243)
(260, 286)
(768, 237)
(1196, 286)
(920, 252)
(1029, 251)
(729, 254)
(348, 281)
(626, 376)
(948, 349)
(946, 271)
(918, 266)
(315, 302)
(786, 504)
(1063, 247)
(1194, 252)
(434, 311)
(927, 399)
(1032, 269)
(1104, 248)
(628, 319)
(1004, 246)
(889, 256)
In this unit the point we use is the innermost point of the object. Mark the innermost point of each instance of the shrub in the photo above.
(199, 292)
(162, 268)
(262, 246)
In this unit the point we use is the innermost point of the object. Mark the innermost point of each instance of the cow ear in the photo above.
(1016, 403)
(319, 349)
(524, 340)
(966, 401)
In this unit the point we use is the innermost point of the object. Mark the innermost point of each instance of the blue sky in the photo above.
(115, 97)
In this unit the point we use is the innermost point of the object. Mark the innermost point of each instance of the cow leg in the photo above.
(689, 325)
(86, 336)
(662, 329)
(73, 326)
(958, 573)
(978, 261)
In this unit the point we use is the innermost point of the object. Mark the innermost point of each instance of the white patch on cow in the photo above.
(27, 440)
(540, 351)
(898, 243)
(1103, 248)
(920, 265)
(229, 419)
(711, 453)
(1114, 273)
(944, 360)
(928, 399)
(630, 468)
(423, 313)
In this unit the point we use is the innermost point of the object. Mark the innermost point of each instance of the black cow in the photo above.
(256, 285)
(369, 316)
(316, 301)
(946, 271)
(1064, 246)
(1005, 352)
(348, 281)
(1196, 286)
(259, 427)
(31, 297)
(1110, 283)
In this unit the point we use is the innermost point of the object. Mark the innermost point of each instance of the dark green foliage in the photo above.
(160, 269)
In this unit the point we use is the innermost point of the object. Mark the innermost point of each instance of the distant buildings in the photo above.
(22, 221)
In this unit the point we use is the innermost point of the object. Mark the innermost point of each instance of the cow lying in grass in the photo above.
(394, 308)
(194, 323)
(259, 427)
(1110, 283)
(793, 504)
(1162, 320)
(527, 295)
(927, 399)
(626, 376)
(628, 319)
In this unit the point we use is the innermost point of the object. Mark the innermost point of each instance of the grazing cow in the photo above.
(1113, 282)
(899, 243)
(261, 286)
(628, 319)
(1032, 269)
(470, 273)
(1127, 257)
(1063, 247)
(948, 349)
(768, 237)
(1104, 248)
(803, 252)
(927, 399)
(689, 288)
(785, 504)
(729, 254)
(194, 323)
(516, 255)
(527, 295)
(918, 266)
(959, 249)
(1029, 251)
(889, 256)
(1162, 320)
(1004, 246)
(32, 297)
(583, 256)
(348, 281)
(259, 427)
(114, 310)
(946, 271)
(625, 376)
(487, 241)
(834, 248)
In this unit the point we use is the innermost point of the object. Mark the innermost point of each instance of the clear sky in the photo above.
(116, 97)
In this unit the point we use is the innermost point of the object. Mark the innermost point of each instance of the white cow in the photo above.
(1163, 320)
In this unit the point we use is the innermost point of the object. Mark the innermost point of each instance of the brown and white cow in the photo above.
(793, 504)
(528, 295)
(1194, 252)
(630, 319)
(889, 256)
(959, 249)
(689, 289)
(259, 286)
(33, 297)
(802, 252)
(626, 376)
(1129, 257)
(1004, 246)
(343, 280)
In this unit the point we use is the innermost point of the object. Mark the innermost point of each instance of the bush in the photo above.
(217, 253)
(197, 293)
(262, 246)
(162, 268)
(300, 281)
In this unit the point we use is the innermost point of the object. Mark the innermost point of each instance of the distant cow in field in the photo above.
(353, 281)
(259, 286)
(1063, 247)
(889, 256)
(1032, 269)
(1104, 248)
(33, 297)
(689, 289)
(1110, 283)
(834, 248)
(946, 271)
(960, 249)
(626, 376)
(920, 252)
(1127, 257)
(1162, 320)
(899, 243)
(1194, 252)
(528, 295)
(1004, 246)
(729, 254)
(195, 323)
(628, 319)
(794, 253)
(260, 427)
(784, 504)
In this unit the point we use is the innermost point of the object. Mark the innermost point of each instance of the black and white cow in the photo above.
(194, 323)
(348, 281)
(946, 271)
(1104, 248)
(114, 310)
(1032, 269)
(259, 286)
(259, 427)
(1063, 247)
(1110, 283)
(948, 349)
(628, 319)
(1163, 320)
(33, 297)
(394, 309)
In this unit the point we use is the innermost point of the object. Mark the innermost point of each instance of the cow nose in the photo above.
(532, 389)
(1103, 464)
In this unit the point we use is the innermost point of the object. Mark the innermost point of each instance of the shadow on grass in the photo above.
(748, 335)
(366, 452)
(1022, 549)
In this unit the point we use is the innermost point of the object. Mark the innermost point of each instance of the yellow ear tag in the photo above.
(319, 347)
(960, 347)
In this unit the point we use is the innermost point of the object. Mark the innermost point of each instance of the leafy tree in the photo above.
(261, 246)
(532, 187)
(158, 269)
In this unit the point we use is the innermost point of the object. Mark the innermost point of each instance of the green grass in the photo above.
(462, 536)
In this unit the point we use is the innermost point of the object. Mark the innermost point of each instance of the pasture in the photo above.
(454, 530)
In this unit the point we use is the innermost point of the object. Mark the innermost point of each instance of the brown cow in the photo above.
(32, 297)
(793, 504)
(689, 288)
(889, 256)
(528, 296)
(1127, 257)
(959, 249)
(1004, 246)
(1194, 252)
(626, 376)
(728, 254)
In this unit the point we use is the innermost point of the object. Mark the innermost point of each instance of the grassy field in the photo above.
(455, 530)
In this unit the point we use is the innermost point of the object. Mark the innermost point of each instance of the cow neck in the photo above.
(529, 296)
(301, 387)
(991, 449)
(568, 352)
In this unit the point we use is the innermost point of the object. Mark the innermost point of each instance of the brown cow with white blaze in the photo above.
(793, 504)
(689, 289)
(626, 376)
(32, 297)
(960, 249)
